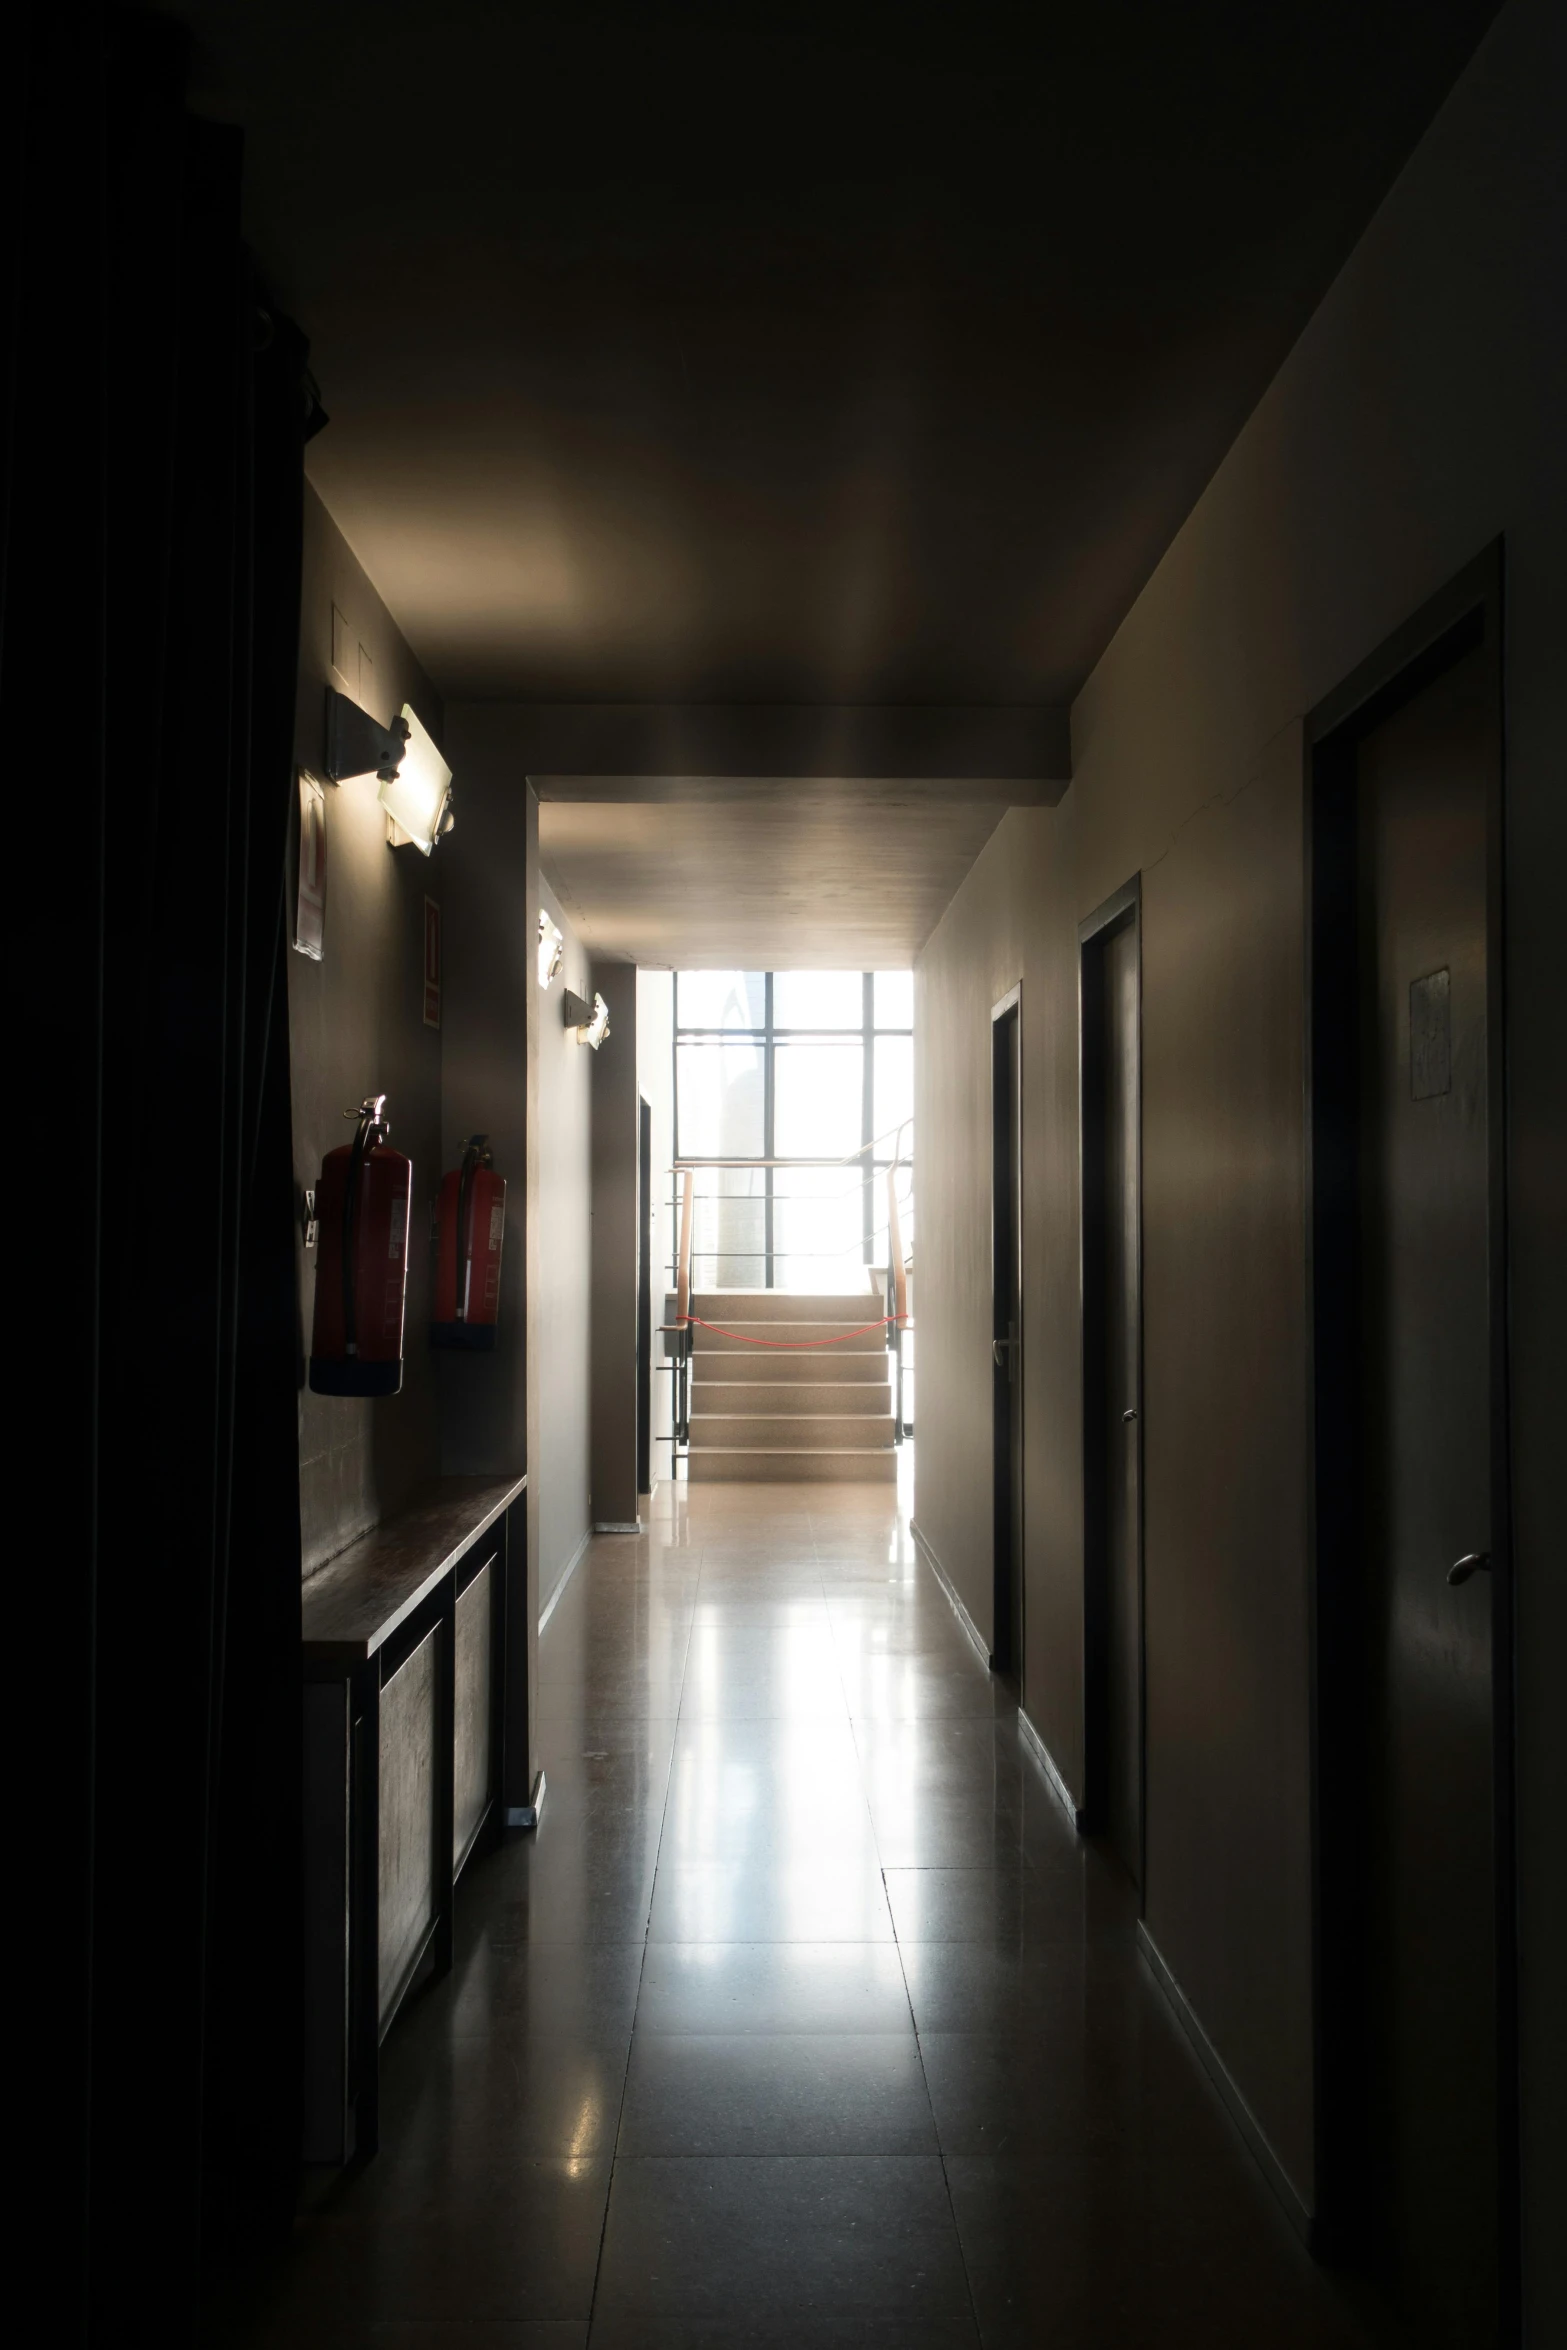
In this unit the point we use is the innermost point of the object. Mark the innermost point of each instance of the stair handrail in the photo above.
(690, 1163)
(687, 1169)
(683, 1273)
(897, 1301)
(896, 1265)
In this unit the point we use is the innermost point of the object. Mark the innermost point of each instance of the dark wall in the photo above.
(656, 1085)
(490, 965)
(487, 872)
(356, 1026)
(615, 1193)
(500, 1051)
(1417, 420)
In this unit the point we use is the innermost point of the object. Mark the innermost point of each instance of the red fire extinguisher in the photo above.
(356, 1345)
(470, 1223)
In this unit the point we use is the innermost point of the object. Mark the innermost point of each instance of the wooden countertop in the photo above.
(358, 1601)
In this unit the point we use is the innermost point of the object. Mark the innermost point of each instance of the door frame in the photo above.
(1123, 909)
(1465, 615)
(1008, 1581)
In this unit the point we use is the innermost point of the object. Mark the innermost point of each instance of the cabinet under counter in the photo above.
(404, 1641)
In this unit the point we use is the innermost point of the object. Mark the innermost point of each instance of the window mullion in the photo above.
(868, 1110)
(769, 1072)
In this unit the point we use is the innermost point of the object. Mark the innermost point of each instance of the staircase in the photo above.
(765, 1414)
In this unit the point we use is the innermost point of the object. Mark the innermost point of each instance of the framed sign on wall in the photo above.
(310, 874)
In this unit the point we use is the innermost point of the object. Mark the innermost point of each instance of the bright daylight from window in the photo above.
(811, 1075)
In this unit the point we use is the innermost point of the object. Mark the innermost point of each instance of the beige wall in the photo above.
(1418, 418)
(1011, 925)
(1227, 1742)
(565, 1236)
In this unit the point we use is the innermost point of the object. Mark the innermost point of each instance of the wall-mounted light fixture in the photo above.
(415, 781)
(591, 1021)
(552, 950)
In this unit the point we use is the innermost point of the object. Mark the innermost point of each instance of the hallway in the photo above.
(804, 2018)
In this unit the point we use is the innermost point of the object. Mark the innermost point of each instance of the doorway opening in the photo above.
(1006, 1345)
(1110, 999)
(1416, 1949)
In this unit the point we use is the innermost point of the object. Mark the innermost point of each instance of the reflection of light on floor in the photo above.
(584, 2135)
(768, 1834)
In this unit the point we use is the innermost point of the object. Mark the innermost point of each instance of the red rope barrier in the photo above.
(791, 1345)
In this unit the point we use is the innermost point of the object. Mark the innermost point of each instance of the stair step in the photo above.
(794, 1430)
(785, 1305)
(820, 1366)
(768, 1464)
(791, 1395)
(796, 1336)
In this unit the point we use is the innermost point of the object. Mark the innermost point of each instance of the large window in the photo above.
(792, 1067)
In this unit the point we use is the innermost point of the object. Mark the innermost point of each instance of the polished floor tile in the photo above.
(586, 1992)
(1072, 2087)
(805, 2020)
(757, 2093)
(773, 1987)
(512, 2093)
(1025, 1907)
(347, 2333)
(1183, 2254)
(518, 2244)
(566, 1897)
(807, 2242)
(992, 1987)
(804, 1900)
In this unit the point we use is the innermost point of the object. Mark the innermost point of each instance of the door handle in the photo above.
(1129, 1415)
(1000, 1350)
(1473, 1562)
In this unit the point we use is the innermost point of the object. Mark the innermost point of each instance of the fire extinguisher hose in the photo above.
(462, 1238)
(475, 1153)
(371, 1129)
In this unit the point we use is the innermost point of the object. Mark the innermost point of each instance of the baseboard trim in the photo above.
(1300, 2218)
(570, 1568)
(954, 1600)
(1046, 1764)
(526, 1815)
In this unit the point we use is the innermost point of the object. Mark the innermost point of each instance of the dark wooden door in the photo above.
(1121, 1398)
(1007, 1340)
(1423, 779)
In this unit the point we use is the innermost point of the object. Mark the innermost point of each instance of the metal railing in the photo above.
(679, 1335)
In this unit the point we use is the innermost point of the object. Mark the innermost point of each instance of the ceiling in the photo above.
(797, 355)
(795, 876)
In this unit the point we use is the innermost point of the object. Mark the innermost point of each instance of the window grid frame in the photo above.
(767, 1038)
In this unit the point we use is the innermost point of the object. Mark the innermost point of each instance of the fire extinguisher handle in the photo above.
(372, 1117)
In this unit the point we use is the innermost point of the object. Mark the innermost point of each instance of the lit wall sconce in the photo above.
(591, 1021)
(552, 950)
(415, 781)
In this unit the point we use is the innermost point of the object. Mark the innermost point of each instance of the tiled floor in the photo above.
(804, 2019)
